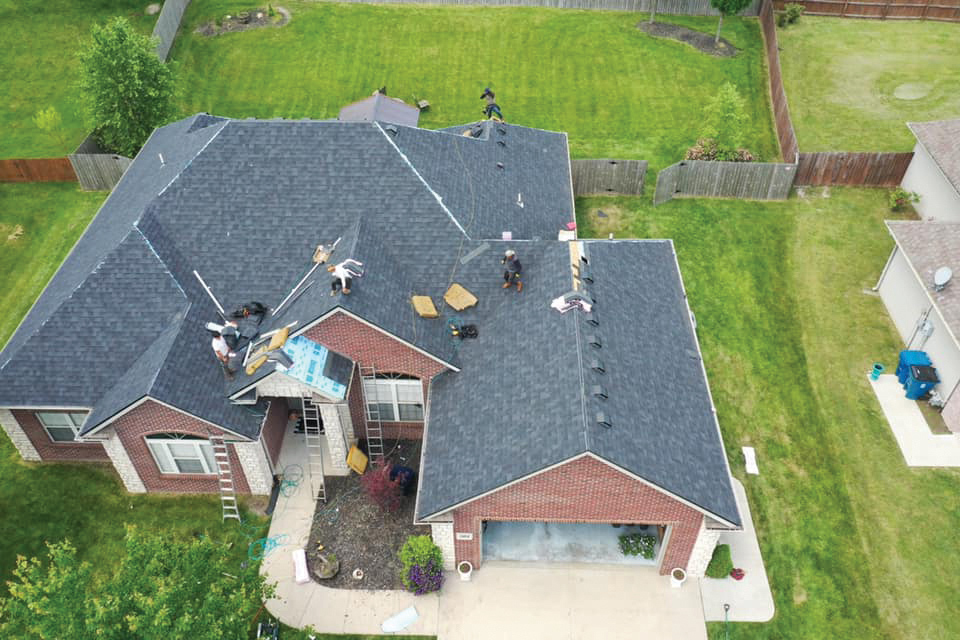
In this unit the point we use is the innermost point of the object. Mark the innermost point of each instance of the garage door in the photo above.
(563, 542)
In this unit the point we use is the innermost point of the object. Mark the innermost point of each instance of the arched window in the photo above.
(395, 397)
(182, 453)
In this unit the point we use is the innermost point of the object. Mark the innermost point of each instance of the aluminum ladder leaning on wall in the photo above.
(313, 435)
(371, 402)
(228, 494)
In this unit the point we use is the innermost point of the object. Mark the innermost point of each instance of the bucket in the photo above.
(465, 569)
(677, 577)
(877, 370)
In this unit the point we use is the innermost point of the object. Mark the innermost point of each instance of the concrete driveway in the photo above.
(569, 601)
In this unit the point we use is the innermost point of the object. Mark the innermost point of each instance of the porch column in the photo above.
(253, 460)
(18, 436)
(702, 551)
(122, 463)
(442, 534)
(336, 426)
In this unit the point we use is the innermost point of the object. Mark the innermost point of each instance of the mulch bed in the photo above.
(244, 20)
(703, 42)
(360, 533)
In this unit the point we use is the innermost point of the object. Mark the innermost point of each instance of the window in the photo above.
(61, 427)
(178, 453)
(398, 398)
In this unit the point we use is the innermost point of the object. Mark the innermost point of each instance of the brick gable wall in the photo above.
(583, 490)
(367, 347)
(153, 418)
(57, 451)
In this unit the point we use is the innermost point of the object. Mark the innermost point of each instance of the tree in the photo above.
(49, 121)
(127, 91)
(724, 117)
(728, 8)
(162, 590)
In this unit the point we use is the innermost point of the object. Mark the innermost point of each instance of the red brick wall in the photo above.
(274, 427)
(367, 347)
(584, 490)
(153, 418)
(53, 451)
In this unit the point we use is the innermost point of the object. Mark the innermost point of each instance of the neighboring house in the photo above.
(600, 416)
(927, 319)
(934, 171)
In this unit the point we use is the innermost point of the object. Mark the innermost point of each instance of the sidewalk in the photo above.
(750, 599)
(326, 610)
(920, 448)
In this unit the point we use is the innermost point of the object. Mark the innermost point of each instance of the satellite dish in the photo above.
(941, 278)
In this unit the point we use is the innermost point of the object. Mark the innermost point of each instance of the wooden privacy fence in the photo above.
(789, 148)
(707, 179)
(168, 23)
(944, 10)
(36, 170)
(96, 170)
(852, 169)
(605, 176)
(682, 7)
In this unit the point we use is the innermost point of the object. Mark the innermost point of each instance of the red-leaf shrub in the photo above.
(386, 493)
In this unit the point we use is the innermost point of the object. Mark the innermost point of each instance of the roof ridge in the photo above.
(423, 180)
(223, 125)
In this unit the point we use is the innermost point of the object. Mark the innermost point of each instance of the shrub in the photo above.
(793, 11)
(707, 149)
(422, 562)
(900, 197)
(721, 564)
(724, 121)
(638, 544)
(386, 493)
(782, 20)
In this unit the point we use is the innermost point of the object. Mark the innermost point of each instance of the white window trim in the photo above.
(74, 425)
(159, 439)
(391, 383)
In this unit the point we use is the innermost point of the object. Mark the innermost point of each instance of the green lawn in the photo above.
(38, 68)
(842, 79)
(39, 223)
(856, 545)
(617, 91)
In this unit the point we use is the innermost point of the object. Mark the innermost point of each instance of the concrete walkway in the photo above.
(920, 448)
(326, 610)
(552, 601)
(750, 599)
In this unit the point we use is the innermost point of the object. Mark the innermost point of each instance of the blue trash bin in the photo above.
(921, 381)
(908, 358)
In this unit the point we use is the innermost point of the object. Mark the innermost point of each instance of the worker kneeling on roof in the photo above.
(343, 275)
(222, 336)
(511, 270)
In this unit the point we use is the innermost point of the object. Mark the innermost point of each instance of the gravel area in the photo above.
(360, 533)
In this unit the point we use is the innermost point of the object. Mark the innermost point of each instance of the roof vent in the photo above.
(499, 165)
(603, 420)
(594, 341)
(501, 131)
(598, 392)
(572, 300)
(942, 278)
(392, 130)
(501, 143)
(597, 365)
(593, 321)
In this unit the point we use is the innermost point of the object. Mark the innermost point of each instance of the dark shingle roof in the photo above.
(381, 108)
(523, 400)
(941, 139)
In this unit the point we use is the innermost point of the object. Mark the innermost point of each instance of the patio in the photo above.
(919, 446)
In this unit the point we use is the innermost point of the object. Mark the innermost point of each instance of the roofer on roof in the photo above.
(343, 275)
(224, 354)
(511, 269)
(492, 109)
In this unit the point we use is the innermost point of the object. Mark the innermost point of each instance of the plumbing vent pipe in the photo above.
(597, 365)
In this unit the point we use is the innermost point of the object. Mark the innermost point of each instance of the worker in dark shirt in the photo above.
(511, 270)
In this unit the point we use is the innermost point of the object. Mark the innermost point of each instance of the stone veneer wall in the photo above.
(18, 436)
(256, 468)
(442, 534)
(122, 463)
(702, 551)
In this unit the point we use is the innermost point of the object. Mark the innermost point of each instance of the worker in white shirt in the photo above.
(223, 354)
(343, 275)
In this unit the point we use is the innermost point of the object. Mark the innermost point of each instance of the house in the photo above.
(582, 399)
(927, 316)
(934, 170)
(381, 108)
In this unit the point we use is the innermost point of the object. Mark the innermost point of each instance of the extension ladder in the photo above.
(371, 401)
(228, 496)
(313, 435)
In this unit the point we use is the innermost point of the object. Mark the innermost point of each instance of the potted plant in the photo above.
(465, 569)
(677, 577)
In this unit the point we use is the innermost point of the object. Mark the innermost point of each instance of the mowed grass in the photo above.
(38, 68)
(842, 79)
(856, 544)
(39, 224)
(86, 504)
(618, 92)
